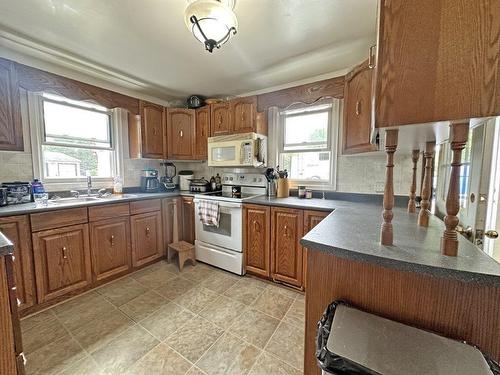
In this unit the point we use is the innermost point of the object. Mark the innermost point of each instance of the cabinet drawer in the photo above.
(56, 219)
(108, 211)
(140, 207)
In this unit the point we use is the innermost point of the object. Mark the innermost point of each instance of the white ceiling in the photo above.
(147, 42)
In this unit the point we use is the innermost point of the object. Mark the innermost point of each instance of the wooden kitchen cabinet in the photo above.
(62, 261)
(244, 114)
(11, 349)
(256, 239)
(202, 133)
(188, 220)
(147, 240)
(220, 119)
(110, 247)
(17, 230)
(153, 128)
(181, 133)
(286, 251)
(11, 129)
(436, 61)
(357, 125)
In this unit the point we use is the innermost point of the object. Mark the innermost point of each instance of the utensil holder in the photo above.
(271, 188)
(283, 188)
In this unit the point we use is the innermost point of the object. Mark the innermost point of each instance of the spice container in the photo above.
(309, 193)
(302, 192)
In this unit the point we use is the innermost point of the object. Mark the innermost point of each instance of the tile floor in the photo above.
(160, 321)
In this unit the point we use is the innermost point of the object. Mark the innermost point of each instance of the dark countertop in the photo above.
(294, 202)
(352, 231)
(6, 247)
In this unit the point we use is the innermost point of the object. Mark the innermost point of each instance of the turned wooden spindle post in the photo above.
(391, 143)
(425, 203)
(413, 188)
(458, 138)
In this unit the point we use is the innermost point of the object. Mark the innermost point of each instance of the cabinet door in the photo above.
(188, 217)
(147, 240)
(17, 230)
(11, 129)
(244, 111)
(110, 247)
(202, 132)
(171, 211)
(7, 336)
(256, 239)
(152, 130)
(286, 251)
(220, 119)
(181, 133)
(357, 124)
(62, 261)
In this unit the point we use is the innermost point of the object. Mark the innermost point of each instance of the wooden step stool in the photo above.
(184, 249)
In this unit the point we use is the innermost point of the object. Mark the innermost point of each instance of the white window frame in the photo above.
(37, 129)
(332, 141)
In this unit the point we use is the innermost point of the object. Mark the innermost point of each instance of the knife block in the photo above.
(283, 188)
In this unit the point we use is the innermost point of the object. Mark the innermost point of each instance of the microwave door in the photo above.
(223, 154)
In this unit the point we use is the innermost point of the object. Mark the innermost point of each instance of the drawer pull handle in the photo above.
(255, 226)
(181, 134)
(371, 57)
(112, 240)
(148, 231)
(18, 302)
(285, 230)
(64, 253)
(358, 107)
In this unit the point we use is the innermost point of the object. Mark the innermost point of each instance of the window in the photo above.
(305, 146)
(71, 140)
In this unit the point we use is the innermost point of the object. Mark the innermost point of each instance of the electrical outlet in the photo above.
(379, 187)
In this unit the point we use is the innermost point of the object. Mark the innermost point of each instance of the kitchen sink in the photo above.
(72, 200)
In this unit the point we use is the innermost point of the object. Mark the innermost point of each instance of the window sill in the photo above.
(54, 186)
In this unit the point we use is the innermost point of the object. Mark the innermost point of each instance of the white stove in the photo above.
(222, 246)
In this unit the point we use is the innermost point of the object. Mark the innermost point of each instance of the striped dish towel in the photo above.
(208, 213)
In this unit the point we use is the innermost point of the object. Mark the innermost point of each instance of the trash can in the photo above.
(354, 342)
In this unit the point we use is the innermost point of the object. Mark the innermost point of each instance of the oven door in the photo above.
(229, 234)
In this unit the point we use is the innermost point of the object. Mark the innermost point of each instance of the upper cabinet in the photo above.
(357, 123)
(202, 132)
(181, 133)
(220, 119)
(244, 110)
(433, 63)
(238, 115)
(11, 129)
(153, 130)
(147, 138)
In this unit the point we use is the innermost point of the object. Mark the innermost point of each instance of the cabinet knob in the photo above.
(255, 226)
(358, 107)
(148, 231)
(371, 57)
(181, 134)
(285, 230)
(18, 302)
(64, 253)
(112, 240)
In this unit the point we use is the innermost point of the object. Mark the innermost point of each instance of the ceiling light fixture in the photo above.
(212, 22)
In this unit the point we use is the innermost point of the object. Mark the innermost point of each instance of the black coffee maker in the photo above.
(149, 181)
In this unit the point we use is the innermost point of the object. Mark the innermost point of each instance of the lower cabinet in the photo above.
(188, 218)
(286, 250)
(17, 230)
(62, 261)
(147, 240)
(271, 240)
(110, 247)
(256, 233)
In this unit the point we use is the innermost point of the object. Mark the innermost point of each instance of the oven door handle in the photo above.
(223, 204)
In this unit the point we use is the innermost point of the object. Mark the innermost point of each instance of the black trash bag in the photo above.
(339, 365)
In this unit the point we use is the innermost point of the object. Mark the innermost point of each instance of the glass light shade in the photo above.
(214, 18)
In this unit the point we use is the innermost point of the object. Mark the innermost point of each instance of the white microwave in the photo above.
(238, 150)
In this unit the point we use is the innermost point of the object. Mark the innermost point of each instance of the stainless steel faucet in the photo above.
(75, 194)
(89, 185)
